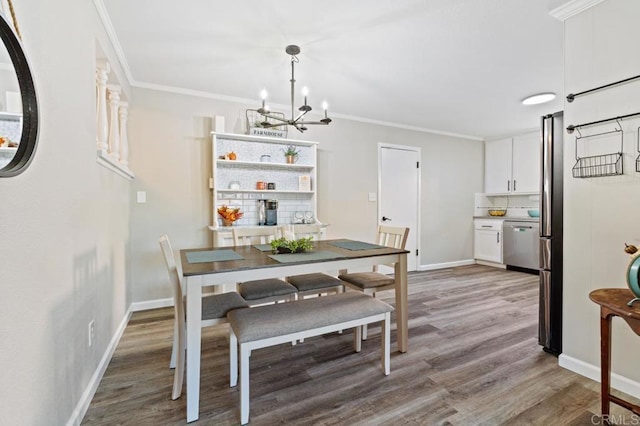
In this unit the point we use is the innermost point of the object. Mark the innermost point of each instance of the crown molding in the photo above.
(113, 38)
(572, 8)
(244, 101)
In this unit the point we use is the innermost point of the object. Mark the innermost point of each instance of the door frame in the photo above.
(417, 150)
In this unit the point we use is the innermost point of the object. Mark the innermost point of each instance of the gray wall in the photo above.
(601, 214)
(171, 156)
(64, 229)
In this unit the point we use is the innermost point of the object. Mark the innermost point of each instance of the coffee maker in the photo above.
(268, 212)
(271, 217)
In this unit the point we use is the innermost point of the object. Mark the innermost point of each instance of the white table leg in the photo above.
(386, 343)
(233, 358)
(194, 320)
(402, 308)
(244, 384)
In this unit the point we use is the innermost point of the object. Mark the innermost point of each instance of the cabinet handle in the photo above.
(487, 226)
(498, 237)
(508, 185)
(514, 184)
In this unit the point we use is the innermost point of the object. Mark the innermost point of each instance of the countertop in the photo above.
(510, 218)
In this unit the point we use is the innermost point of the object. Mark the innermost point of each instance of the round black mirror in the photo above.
(19, 112)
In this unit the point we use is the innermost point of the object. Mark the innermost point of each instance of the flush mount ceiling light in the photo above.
(295, 121)
(539, 98)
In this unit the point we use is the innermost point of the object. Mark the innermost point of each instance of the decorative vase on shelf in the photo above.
(227, 222)
(291, 159)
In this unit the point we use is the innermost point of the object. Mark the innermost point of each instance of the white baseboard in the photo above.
(445, 265)
(151, 304)
(92, 386)
(621, 383)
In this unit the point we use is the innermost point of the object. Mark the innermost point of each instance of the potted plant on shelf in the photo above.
(291, 154)
(282, 245)
(229, 214)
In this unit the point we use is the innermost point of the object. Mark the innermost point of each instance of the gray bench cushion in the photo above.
(218, 305)
(367, 279)
(316, 281)
(264, 322)
(261, 289)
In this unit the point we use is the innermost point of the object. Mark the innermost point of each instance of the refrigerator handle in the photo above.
(546, 175)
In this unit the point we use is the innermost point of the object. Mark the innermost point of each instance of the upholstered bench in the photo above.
(272, 325)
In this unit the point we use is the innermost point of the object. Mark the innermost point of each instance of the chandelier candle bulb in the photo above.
(263, 95)
(305, 93)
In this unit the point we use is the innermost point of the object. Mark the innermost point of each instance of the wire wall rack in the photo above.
(609, 164)
(255, 120)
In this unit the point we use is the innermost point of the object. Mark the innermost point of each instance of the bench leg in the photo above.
(233, 358)
(357, 339)
(364, 332)
(386, 343)
(244, 385)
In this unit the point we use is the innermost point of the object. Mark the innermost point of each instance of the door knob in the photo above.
(384, 218)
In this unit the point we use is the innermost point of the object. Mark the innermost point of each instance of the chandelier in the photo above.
(296, 121)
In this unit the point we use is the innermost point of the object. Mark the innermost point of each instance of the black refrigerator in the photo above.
(550, 330)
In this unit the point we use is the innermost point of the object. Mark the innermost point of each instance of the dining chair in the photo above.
(214, 311)
(317, 283)
(267, 290)
(373, 282)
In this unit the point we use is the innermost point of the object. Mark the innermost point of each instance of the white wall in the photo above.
(172, 161)
(64, 229)
(601, 214)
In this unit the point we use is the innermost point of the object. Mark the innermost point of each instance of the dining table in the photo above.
(203, 267)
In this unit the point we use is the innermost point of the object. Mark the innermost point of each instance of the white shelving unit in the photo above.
(247, 169)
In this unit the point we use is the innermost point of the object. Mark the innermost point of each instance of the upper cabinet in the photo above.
(512, 165)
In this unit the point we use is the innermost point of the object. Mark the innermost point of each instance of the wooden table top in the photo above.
(255, 259)
(616, 300)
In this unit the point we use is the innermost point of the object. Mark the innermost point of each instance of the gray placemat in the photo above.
(304, 257)
(263, 247)
(356, 245)
(212, 256)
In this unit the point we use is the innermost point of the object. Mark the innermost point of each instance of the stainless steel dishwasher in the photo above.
(521, 244)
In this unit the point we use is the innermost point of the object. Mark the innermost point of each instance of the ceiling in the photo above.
(453, 66)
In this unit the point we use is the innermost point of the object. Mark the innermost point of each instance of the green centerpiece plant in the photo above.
(282, 245)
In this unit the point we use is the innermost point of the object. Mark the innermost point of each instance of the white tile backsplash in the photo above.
(287, 205)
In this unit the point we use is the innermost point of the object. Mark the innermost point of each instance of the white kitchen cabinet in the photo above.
(497, 166)
(487, 242)
(512, 165)
(526, 163)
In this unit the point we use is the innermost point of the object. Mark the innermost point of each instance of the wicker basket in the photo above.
(497, 212)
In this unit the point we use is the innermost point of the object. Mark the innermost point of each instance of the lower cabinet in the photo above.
(487, 242)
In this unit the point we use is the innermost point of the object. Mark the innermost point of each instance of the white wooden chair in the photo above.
(312, 284)
(373, 282)
(268, 290)
(214, 311)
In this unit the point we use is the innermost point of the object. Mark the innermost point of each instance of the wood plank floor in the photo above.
(473, 359)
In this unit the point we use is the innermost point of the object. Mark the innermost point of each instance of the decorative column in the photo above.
(102, 124)
(114, 130)
(124, 140)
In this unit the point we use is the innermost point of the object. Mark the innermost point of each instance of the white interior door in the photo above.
(399, 194)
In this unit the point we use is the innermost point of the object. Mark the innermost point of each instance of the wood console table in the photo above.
(613, 302)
